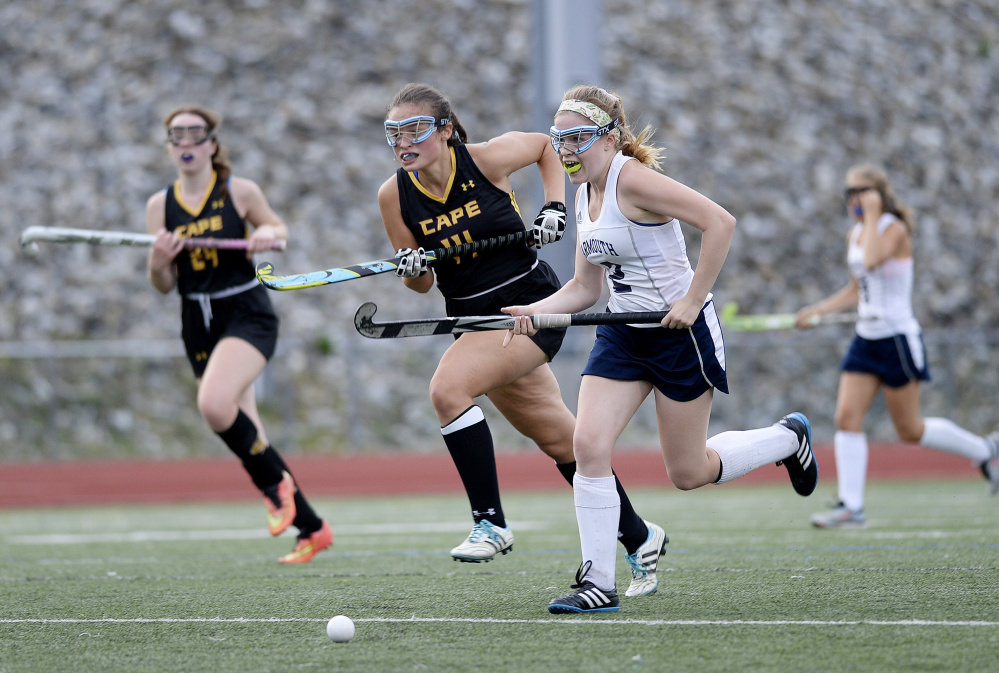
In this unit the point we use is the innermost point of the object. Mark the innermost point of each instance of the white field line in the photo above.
(250, 533)
(554, 620)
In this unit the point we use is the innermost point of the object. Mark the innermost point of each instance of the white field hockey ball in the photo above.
(340, 629)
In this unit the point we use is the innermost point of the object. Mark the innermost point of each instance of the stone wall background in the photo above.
(761, 104)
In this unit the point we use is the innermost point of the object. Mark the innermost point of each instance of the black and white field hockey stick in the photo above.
(765, 322)
(429, 326)
(265, 270)
(31, 235)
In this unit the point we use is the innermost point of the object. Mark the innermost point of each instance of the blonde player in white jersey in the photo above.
(627, 217)
(887, 350)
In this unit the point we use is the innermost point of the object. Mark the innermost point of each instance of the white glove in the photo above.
(549, 225)
(412, 263)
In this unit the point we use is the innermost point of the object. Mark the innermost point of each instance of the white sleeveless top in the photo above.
(646, 265)
(885, 306)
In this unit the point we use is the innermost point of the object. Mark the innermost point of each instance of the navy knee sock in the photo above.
(265, 465)
(262, 465)
(306, 520)
(471, 446)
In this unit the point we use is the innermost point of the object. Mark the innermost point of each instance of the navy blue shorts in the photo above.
(681, 363)
(895, 360)
(247, 315)
(539, 283)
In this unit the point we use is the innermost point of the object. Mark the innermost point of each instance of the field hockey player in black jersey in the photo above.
(447, 192)
(228, 325)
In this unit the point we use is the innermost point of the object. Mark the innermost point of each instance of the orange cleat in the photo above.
(278, 519)
(308, 547)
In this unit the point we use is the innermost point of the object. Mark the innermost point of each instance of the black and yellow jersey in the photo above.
(472, 209)
(207, 270)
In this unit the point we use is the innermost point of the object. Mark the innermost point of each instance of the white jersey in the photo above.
(885, 306)
(646, 265)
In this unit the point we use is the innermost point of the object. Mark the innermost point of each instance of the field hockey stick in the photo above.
(764, 322)
(363, 321)
(265, 270)
(31, 235)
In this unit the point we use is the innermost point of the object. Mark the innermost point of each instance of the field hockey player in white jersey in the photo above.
(441, 177)
(629, 236)
(887, 350)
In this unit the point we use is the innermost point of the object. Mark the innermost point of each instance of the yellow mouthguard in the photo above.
(572, 167)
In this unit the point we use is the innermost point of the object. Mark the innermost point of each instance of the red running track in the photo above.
(91, 483)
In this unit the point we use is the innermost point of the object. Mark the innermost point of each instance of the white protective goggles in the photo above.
(414, 129)
(578, 139)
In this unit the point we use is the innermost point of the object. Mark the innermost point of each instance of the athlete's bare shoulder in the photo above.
(500, 157)
(242, 188)
(158, 199)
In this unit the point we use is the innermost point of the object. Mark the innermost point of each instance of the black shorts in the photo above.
(248, 316)
(539, 283)
(681, 363)
(896, 360)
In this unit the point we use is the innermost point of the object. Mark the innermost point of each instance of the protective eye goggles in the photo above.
(578, 139)
(850, 192)
(197, 134)
(414, 129)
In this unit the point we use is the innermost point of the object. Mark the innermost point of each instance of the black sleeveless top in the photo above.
(472, 209)
(208, 269)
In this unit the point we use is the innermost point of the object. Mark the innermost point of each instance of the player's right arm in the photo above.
(581, 292)
(847, 297)
(398, 233)
(161, 269)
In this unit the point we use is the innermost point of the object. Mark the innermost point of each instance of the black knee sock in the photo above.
(306, 520)
(263, 466)
(471, 446)
(632, 531)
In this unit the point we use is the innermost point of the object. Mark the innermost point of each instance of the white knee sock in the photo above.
(851, 467)
(745, 450)
(945, 435)
(598, 509)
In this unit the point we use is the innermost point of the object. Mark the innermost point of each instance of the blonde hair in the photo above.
(213, 120)
(879, 178)
(627, 142)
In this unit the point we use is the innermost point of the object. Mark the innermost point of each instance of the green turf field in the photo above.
(746, 586)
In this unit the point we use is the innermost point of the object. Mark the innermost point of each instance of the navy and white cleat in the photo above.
(588, 597)
(801, 465)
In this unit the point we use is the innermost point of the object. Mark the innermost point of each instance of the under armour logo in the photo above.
(465, 186)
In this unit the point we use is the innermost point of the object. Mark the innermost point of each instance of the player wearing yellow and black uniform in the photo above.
(220, 288)
(228, 325)
(474, 209)
(448, 193)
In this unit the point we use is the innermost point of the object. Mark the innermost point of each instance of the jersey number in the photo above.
(615, 276)
(455, 239)
(200, 258)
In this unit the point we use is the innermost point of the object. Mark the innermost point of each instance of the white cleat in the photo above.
(643, 562)
(483, 543)
(840, 517)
